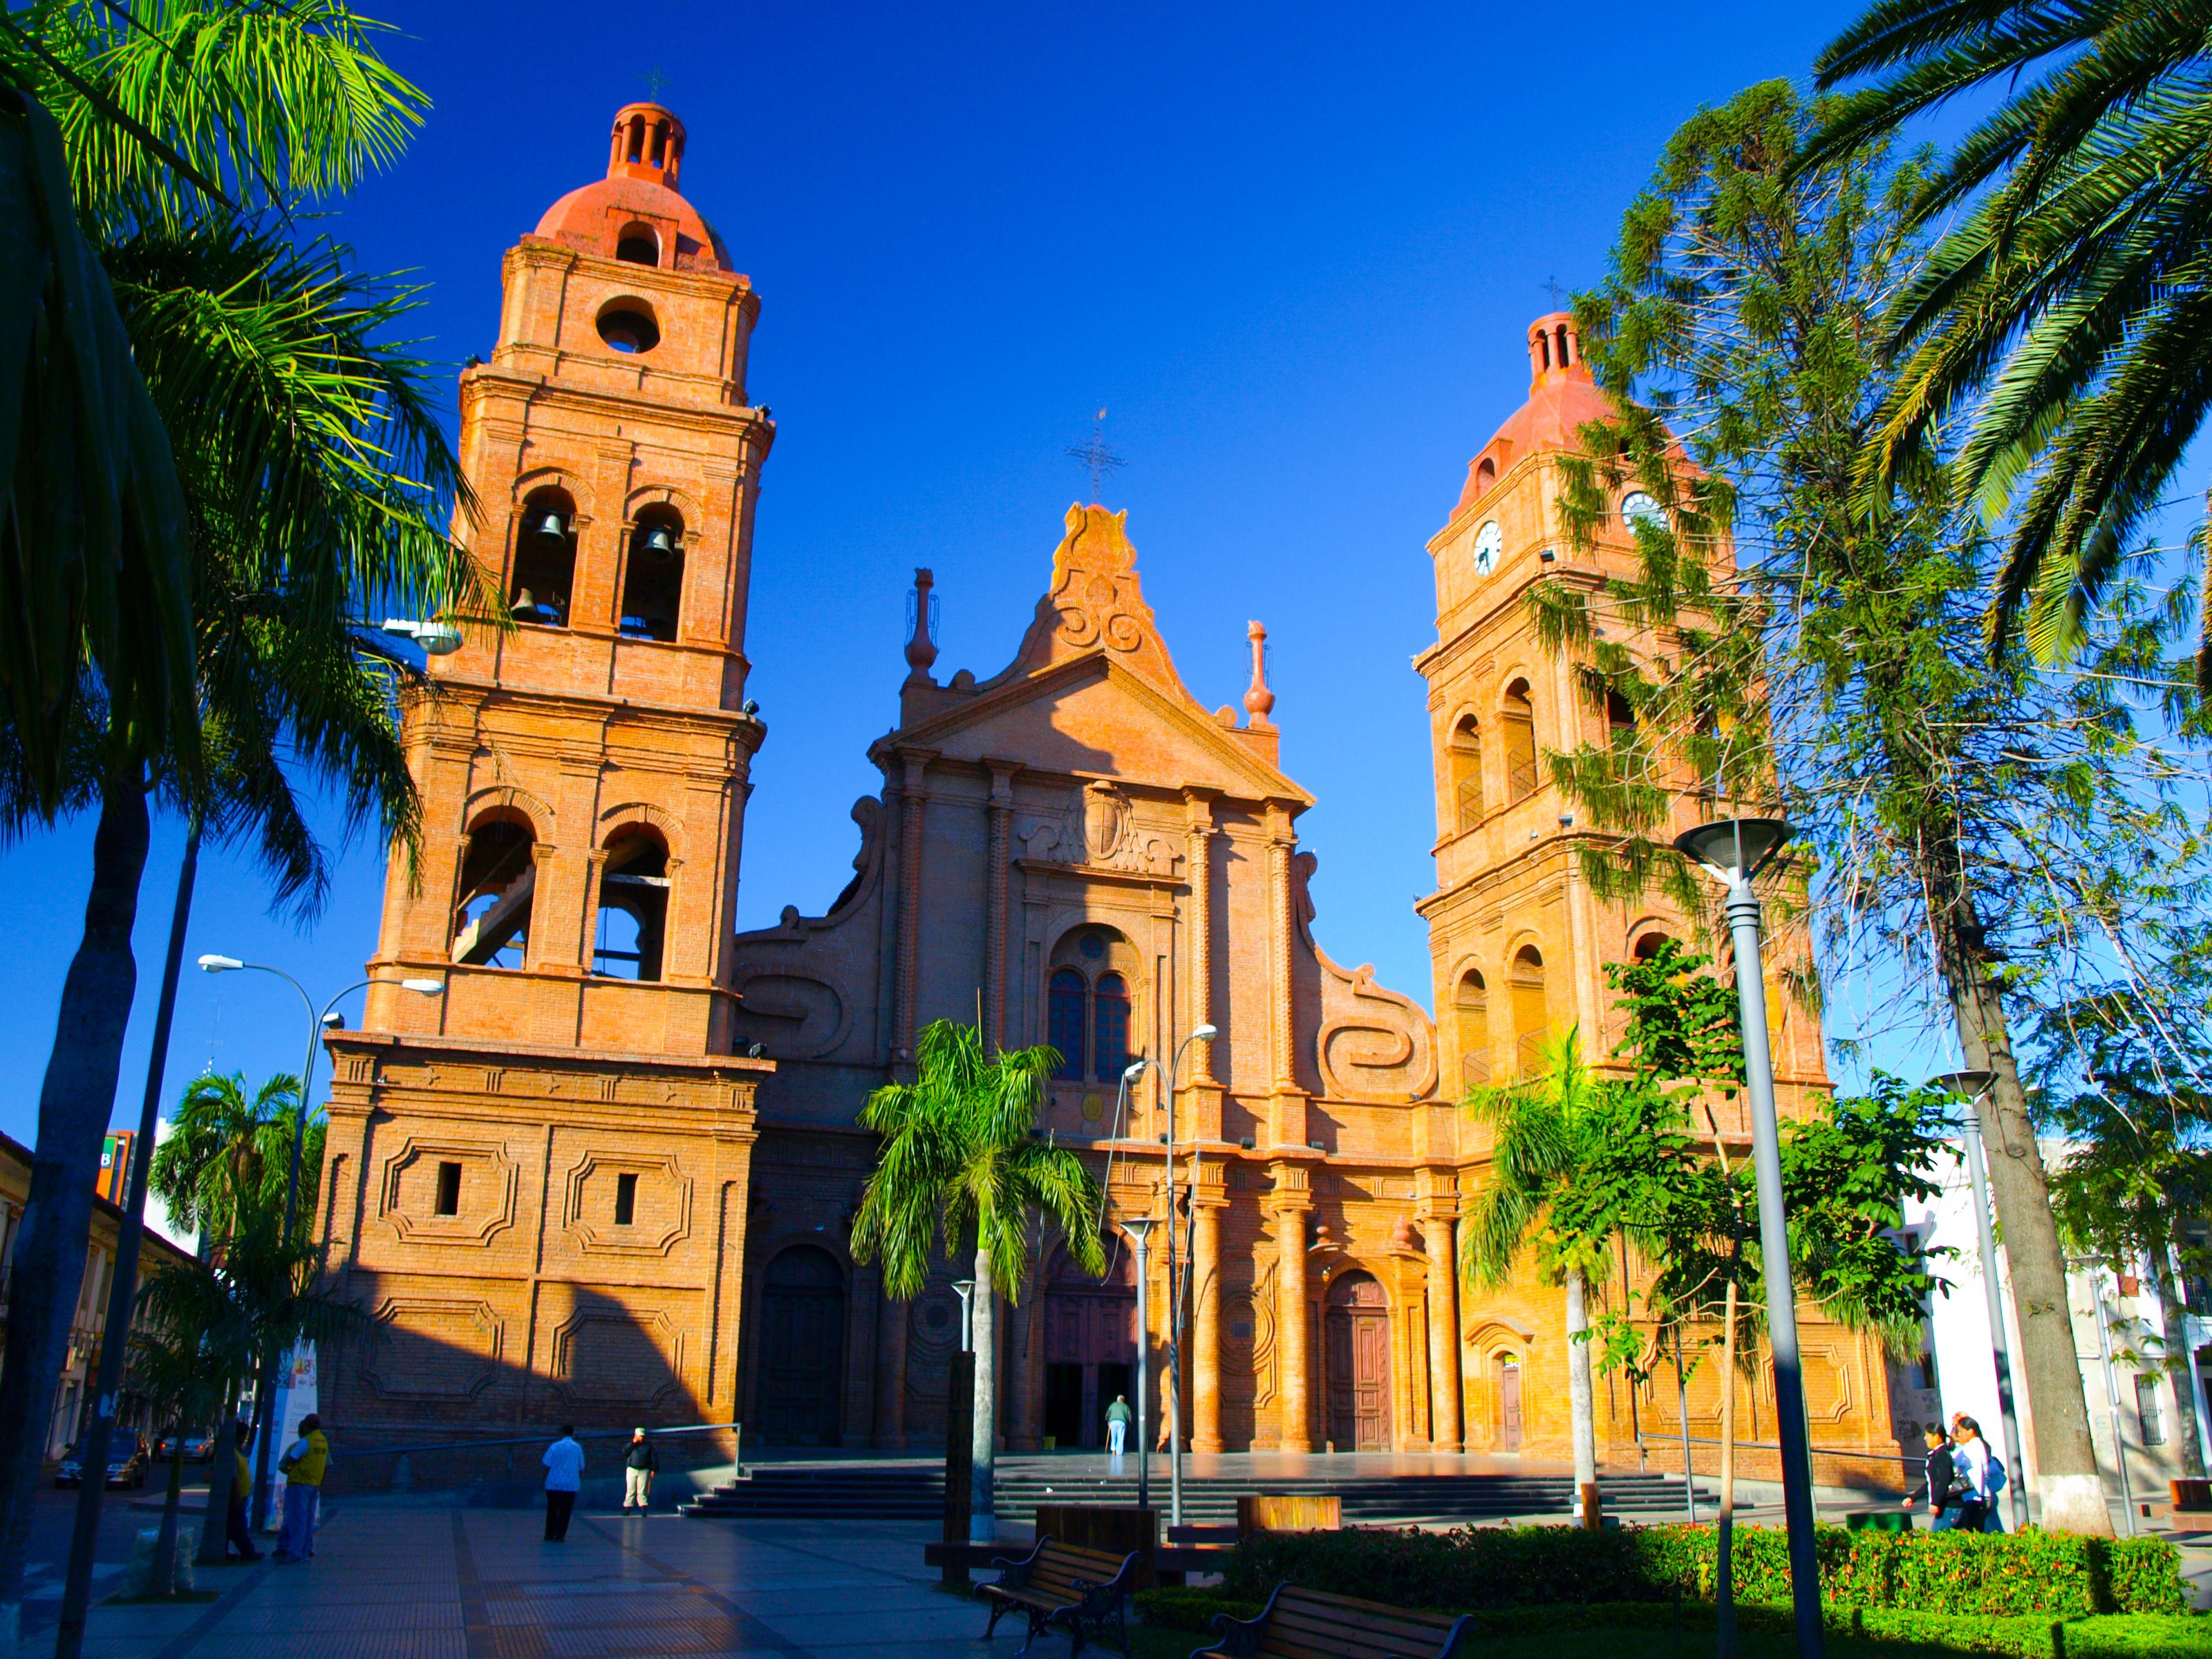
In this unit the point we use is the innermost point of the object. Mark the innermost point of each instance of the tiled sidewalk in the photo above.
(424, 1583)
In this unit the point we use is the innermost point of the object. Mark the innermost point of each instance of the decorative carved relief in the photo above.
(810, 1016)
(432, 1349)
(487, 1202)
(615, 1355)
(599, 1233)
(1097, 830)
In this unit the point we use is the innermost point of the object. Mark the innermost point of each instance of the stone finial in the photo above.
(1259, 702)
(921, 648)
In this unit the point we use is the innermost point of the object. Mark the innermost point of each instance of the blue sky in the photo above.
(1291, 249)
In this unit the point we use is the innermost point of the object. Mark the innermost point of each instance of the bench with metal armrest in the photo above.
(1078, 1590)
(1304, 1624)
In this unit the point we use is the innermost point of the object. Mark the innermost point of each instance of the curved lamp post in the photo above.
(1138, 1229)
(1972, 1086)
(317, 1018)
(1734, 851)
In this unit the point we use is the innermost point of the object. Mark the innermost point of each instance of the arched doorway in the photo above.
(1089, 1346)
(802, 1349)
(1505, 1393)
(1358, 1361)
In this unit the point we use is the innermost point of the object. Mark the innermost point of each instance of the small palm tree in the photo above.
(188, 1358)
(1547, 1129)
(225, 1153)
(961, 1160)
(2065, 299)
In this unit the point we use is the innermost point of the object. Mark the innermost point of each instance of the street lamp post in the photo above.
(1972, 1086)
(1735, 851)
(213, 963)
(1176, 1299)
(1138, 1229)
(2112, 1392)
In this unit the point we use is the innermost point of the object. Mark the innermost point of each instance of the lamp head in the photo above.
(438, 639)
(1139, 1227)
(428, 988)
(211, 963)
(1135, 1071)
(1204, 1033)
(1967, 1085)
(1735, 848)
(333, 1021)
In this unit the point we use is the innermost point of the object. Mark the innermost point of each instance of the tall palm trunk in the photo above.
(982, 1524)
(2072, 1491)
(163, 1579)
(2173, 1319)
(75, 1104)
(1580, 1399)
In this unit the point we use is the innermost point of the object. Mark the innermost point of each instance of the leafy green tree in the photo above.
(2059, 318)
(227, 1154)
(316, 485)
(1964, 818)
(961, 1166)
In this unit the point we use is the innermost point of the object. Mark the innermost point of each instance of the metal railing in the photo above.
(402, 1476)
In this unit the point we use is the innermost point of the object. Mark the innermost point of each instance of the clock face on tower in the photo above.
(1636, 508)
(1487, 540)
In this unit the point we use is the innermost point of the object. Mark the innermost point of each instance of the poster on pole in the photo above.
(295, 1398)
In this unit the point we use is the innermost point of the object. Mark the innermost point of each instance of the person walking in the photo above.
(1117, 1425)
(237, 1533)
(638, 1470)
(1941, 1487)
(302, 1465)
(564, 1473)
(1982, 1470)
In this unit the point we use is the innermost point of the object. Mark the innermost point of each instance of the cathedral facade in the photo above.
(610, 1173)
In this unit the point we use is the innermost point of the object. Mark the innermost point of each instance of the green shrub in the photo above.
(2030, 1574)
(1174, 1607)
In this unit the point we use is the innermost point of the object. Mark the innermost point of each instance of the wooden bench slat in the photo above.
(1305, 1624)
(1293, 1597)
(1301, 1619)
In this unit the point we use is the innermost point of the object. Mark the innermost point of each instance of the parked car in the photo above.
(70, 1473)
(199, 1447)
(128, 1462)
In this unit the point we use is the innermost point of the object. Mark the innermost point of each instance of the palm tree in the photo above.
(2067, 297)
(227, 1154)
(315, 480)
(961, 1160)
(1547, 1130)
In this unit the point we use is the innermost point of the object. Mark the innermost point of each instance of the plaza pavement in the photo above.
(390, 1583)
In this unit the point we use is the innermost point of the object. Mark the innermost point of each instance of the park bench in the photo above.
(1304, 1624)
(1078, 1589)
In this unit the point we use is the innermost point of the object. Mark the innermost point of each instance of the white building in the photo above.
(1965, 1375)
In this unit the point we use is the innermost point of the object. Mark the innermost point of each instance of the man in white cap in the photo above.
(640, 1467)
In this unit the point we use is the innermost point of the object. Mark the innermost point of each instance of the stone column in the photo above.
(1292, 1202)
(1199, 868)
(890, 1369)
(1206, 1320)
(1437, 1230)
(995, 943)
(914, 797)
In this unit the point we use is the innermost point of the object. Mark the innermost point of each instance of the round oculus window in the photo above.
(1092, 947)
(629, 327)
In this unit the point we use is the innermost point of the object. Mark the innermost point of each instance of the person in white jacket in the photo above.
(1975, 1459)
(564, 1473)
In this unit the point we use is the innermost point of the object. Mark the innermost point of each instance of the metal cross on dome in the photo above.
(654, 79)
(1096, 455)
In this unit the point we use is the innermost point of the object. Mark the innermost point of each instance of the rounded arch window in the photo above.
(499, 879)
(544, 567)
(1531, 1019)
(628, 325)
(653, 576)
(638, 245)
(1464, 775)
(630, 932)
(1519, 719)
(1485, 474)
(1090, 1006)
(1471, 1022)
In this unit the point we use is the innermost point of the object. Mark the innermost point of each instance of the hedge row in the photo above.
(2054, 1575)
(2125, 1636)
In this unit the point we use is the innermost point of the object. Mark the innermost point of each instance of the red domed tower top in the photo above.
(634, 212)
(1562, 397)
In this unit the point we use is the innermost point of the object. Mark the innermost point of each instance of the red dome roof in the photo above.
(1562, 398)
(643, 162)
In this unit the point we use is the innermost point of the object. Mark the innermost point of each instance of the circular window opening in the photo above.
(628, 327)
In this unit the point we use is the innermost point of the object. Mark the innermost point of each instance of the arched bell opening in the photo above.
(544, 567)
(499, 878)
(653, 577)
(629, 936)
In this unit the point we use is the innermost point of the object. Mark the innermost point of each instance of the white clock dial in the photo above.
(1487, 541)
(1636, 508)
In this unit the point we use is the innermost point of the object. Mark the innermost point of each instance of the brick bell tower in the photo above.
(1518, 941)
(535, 1177)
